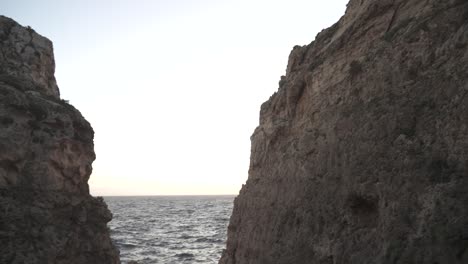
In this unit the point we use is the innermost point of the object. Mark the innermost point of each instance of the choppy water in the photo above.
(170, 229)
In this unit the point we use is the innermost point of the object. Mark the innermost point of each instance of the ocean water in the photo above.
(170, 229)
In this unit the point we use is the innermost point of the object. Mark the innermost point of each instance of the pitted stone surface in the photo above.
(26, 59)
(361, 156)
(46, 152)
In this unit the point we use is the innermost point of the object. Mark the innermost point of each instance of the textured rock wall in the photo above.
(46, 151)
(361, 156)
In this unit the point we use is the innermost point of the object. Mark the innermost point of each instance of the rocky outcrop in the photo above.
(46, 151)
(361, 156)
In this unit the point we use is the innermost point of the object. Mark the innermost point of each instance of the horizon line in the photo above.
(141, 195)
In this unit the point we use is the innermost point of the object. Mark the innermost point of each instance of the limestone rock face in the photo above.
(26, 59)
(361, 156)
(46, 151)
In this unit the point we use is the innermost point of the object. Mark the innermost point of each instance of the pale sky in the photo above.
(172, 88)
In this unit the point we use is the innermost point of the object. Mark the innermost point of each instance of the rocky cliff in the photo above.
(361, 156)
(46, 151)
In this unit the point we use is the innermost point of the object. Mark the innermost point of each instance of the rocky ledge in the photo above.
(46, 152)
(361, 156)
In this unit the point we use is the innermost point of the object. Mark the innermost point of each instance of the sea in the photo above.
(170, 229)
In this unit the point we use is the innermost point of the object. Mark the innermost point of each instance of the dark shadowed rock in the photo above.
(361, 156)
(46, 151)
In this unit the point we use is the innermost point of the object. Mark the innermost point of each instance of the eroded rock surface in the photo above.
(361, 156)
(46, 150)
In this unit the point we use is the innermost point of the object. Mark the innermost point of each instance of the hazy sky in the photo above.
(173, 88)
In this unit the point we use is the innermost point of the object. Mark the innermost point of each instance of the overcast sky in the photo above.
(172, 88)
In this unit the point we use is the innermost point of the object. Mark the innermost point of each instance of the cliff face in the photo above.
(46, 151)
(361, 156)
